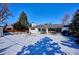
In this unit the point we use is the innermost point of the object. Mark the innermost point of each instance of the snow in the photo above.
(37, 44)
(41, 47)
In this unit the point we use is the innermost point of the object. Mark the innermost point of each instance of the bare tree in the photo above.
(66, 19)
(4, 13)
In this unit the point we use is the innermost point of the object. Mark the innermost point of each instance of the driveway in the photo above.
(17, 44)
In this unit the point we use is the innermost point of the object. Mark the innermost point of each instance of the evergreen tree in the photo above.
(23, 19)
(22, 23)
(74, 26)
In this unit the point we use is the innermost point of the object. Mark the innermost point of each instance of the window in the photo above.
(32, 28)
(39, 29)
(8, 28)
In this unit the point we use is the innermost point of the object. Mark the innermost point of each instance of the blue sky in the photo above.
(40, 13)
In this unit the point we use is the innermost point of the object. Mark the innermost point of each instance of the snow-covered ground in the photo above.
(12, 44)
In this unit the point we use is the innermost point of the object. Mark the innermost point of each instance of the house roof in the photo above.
(49, 26)
(9, 26)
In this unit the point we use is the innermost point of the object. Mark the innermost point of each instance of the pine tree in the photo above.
(74, 26)
(22, 23)
(23, 19)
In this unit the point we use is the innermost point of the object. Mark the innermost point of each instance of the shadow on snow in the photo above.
(45, 46)
(7, 33)
(70, 43)
(4, 49)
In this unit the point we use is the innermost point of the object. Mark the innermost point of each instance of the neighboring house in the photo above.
(8, 28)
(46, 28)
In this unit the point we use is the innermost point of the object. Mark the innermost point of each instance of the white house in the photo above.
(46, 28)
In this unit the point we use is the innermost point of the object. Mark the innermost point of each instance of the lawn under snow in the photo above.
(24, 44)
